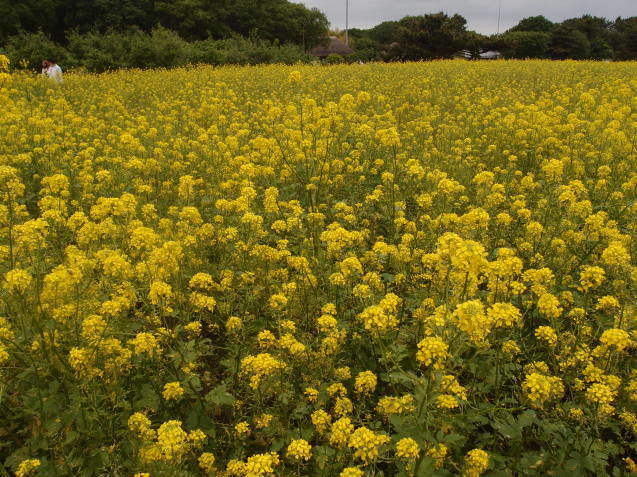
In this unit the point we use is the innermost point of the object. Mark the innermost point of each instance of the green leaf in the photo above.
(426, 467)
(527, 418)
(220, 396)
(71, 436)
(402, 377)
(148, 398)
(508, 431)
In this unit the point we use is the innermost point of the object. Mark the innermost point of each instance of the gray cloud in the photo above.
(481, 15)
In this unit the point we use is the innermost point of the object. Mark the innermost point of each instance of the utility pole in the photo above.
(499, 14)
(346, 22)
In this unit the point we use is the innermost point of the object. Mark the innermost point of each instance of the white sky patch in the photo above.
(481, 15)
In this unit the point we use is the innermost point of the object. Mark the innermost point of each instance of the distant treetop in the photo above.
(537, 23)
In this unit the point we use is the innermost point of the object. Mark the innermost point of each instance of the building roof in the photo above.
(335, 47)
(484, 55)
(490, 55)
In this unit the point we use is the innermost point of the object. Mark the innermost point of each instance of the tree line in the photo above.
(192, 20)
(105, 34)
(442, 36)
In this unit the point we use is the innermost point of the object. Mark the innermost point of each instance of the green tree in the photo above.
(624, 38)
(101, 52)
(429, 36)
(538, 24)
(302, 26)
(598, 31)
(103, 15)
(355, 33)
(374, 43)
(592, 27)
(567, 42)
(601, 49)
(384, 33)
(193, 19)
(29, 16)
(525, 44)
(277, 20)
(365, 49)
(272, 20)
(32, 48)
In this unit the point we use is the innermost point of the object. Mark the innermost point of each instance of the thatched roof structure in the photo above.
(335, 47)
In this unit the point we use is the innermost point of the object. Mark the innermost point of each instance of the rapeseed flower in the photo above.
(299, 449)
(272, 250)
(26, 467)
(407, 448)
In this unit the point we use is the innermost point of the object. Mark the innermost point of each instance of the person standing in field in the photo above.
(52, 70)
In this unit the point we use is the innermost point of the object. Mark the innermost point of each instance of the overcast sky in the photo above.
(481, 15)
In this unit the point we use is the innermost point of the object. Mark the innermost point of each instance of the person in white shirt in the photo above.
(52, 70)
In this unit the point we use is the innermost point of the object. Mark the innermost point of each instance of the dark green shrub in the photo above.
(334, 59)
(162, 48)
(100, 52)
(29, 49)
(243, 51)
(525, 44)
(135, 49)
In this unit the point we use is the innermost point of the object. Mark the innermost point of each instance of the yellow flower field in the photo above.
(421, 269)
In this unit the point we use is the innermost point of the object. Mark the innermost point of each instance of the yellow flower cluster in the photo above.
(351, 472)
(407, 448)
(547, 335)
(366, 382)
(615, 338)
(476, 462)
(260, 366)
(321, 420)
(390, 405)
(540, 388)
(341, 432)
(366, 442)
(141, 426)
(381, 317)
(169, 443)
(438, 453)
(258, 465)
(300, 449)
(432, 350)
(207, 462)
(26, 466)
(172, 391)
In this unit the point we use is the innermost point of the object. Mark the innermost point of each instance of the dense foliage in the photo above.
(108, 34)
(270, 20)
(136, 49)
(440, 36)
(429, 36)
(404, 269)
